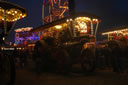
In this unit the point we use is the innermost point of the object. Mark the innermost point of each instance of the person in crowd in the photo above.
(117, 61)
(16, 57)
(107, 56)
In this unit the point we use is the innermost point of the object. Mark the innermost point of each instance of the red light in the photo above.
(20, 17)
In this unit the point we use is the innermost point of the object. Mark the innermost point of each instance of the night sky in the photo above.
(113, 12)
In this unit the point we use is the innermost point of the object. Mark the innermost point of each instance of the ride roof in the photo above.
(63, 20)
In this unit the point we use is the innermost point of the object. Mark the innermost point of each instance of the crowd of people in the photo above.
(21, 57)
(113, 56)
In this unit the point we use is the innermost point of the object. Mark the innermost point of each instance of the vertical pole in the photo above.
(39, 35)
(12, 27)
(50, 13)
(74, 33)
(96, 27)
(91, 27)
(5, 22)
(50, 10)
(69, 27)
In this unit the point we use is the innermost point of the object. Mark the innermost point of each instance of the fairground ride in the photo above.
(53, 10)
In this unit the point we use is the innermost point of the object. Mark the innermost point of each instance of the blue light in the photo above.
(33, 36)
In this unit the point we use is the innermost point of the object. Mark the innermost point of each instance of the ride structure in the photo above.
(53, 10)
(65, 40)
(9, 14)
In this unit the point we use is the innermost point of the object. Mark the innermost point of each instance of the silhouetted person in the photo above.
(117, 62)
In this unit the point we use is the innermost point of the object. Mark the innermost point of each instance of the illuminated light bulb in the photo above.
(67, 20)
(84, 17)
(20, 14)
(15, 11)
(13, 14)
(70, 19)
(23, 16)
(3, 38)
(15, 19)
(8, 12)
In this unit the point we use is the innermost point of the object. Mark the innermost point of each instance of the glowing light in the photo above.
(58, 26)
(67, 20)
(33, 36)
(83, 31)
(83, 18)
(70, 19)
(12, 14)
(20, 14)
(9, 12)
(83, 25)
(3, 38)
(23, 29)
(117, 31)
(16, 12)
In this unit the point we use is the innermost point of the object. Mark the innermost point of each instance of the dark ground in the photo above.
(100, 77)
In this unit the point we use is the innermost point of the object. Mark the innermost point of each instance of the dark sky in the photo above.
(113, 12)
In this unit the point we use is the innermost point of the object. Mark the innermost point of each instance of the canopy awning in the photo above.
(63, 20)
(13, 12)
(115, 29)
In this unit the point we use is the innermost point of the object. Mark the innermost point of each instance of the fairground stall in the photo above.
(116, 33)
(24, 38)
(117, 41)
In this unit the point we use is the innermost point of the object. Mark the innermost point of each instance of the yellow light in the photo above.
(8, 12)
(13, 14)
(58, 26)
(15, 11)
(15, 19)
(19, 48)
(3, 38)
(83, 18)
(67, 20)
(23, 16)
(70, 19)
(2, 48)
(95, 20)
(20, 14)
(83, 25)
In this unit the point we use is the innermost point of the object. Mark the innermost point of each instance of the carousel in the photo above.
(9, 14)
